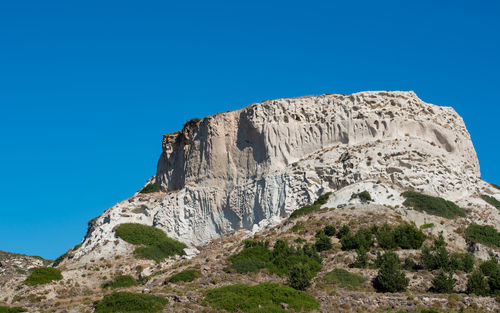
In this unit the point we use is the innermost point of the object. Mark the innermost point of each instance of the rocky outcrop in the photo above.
(250, 167)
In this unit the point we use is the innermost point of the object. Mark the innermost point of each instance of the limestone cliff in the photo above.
(250, 167)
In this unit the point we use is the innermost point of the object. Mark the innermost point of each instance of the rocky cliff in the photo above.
(251, 167)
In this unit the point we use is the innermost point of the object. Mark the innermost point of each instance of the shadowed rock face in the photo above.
(246, 167)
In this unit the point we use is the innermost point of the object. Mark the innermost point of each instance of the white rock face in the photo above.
(256, 165)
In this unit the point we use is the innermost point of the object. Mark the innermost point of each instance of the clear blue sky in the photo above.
(87, 88)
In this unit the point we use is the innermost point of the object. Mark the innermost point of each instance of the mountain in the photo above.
(280, 171)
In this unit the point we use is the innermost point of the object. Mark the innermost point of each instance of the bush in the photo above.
(385, 237)
(343, 231)
(323, 242)
(300, 277)
(491, 200)
(244, 298)
(59, 259)
(486, 235)
(310, 208)
(192, 121)
(477, 284)
(390, 278)
(408, 236)
(462, 261)
(432, 205)
(364, 196)
(437, 257)
(489, 267)
(150, 188)
(330, 230)
(130, 302)
(157, 246)
(442, 283)
(343, 279)
(185, 276)
(361, 240)
(43, 275)
(7, 309)
(426, 225)
(361, 260)
(121, 281)
(256, 255)
(494, 282)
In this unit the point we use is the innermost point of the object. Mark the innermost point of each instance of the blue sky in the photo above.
(87, 88)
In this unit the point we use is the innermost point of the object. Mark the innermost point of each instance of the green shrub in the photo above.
(491, 200)
(310, 208)
(244, 298)
(76, 247)
(487, 235)
(121, 281)
(363, 239)
(390, 278)
(408, 236)
(330, 230)
(299, 226)
(426, 225)
(432, 205)
(442, 283)
(192, 121)
(494, 282)
(477, 284)
(436, 257)
(343, 231)
(43, 275)
(256, 255)
(343, 279)
(364, 196)
(323, 242)
(300, 276)
(490, 266)
(385, 237)
(150, 188)
(7, 309)
(157, 246)
(130, 302)
(185, 276)
(60, 259)
(461, 261)
(361, 260)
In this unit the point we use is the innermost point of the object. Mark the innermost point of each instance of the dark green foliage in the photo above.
(76, 247)
(300, 276)
(150, 188)
(363, 239)
(408, 236)
(491, 200)
(443, 283)
(361, 260)
(426, 225)
(432, 205)
(185, 276)
(494, 282)
(343, 231)
(495, 186)
(437, 257)
(323, 242)
(461, 261)
(121, 281)
(192, 121)
(487, 235)
(343, 279)
(364, 196)
(59, 259)
(330, 230)
(490, 266)
(410, 264)
(7, 309)
(310, 208)
(390, 278)
(477, 284)
(385, 237)
(130, 302)
(244, 298)
(256, 255)
(157, 246)
(43, 275)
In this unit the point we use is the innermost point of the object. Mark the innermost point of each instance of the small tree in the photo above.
(494, 282)
(361, 260)
(300, 277)
(442, 283)
(385, 237)
(330, 230)
(323, 242)
(343, 231)
(390, 278)
(477, 284)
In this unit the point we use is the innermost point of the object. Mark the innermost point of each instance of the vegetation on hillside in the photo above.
(43, 275)
(310, 208)
(156, 245)
(121, 281)
(150, 188)
(185, 276)
(265, 297)
(128, 302)
(8, 309)
(364, 196)
(344, 279)
(432, 205)
(491, 200)
(486, 235)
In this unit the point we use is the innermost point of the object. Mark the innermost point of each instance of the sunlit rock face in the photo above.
(250, 167)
